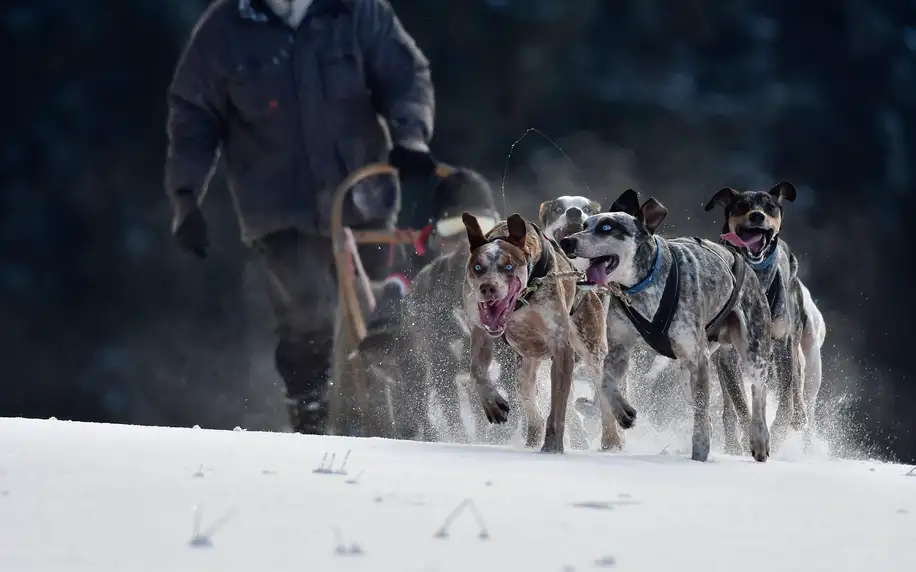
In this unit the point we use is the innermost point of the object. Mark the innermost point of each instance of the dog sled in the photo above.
(363, 400)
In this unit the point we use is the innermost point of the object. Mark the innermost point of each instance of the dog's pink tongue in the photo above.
(734, 240)
(492, 315)
(597, 273)
(739, 242)
(495, 315)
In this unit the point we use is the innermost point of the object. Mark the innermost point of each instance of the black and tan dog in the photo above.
(752, 226)
(519, 286)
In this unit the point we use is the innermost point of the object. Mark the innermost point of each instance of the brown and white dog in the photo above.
(519, 285)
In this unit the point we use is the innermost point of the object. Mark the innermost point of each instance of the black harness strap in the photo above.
(738, 270)
(774, 293)
(801, 309)
(655, 333)
(540, 269)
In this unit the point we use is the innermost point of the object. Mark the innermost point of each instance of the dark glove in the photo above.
(189, 226)
(411, 163)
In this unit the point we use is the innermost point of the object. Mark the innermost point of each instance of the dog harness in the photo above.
(739, 267)
(536, 272)
(655, 332)
(775, 290)
(540, 273)
(774, 293)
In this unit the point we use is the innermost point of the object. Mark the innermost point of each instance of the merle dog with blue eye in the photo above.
(519, 288)
(682, 298)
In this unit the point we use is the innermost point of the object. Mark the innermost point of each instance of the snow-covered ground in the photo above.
(77, 496)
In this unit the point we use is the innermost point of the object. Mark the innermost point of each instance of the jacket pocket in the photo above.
(342, 75)
(257, 90)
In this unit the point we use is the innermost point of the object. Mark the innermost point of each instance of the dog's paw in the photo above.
(760, 443)
(534, 434)
(552, 448)
(586, 408)
(495, 407)
(611, 438)
(611, 444)
(700, 448)
(623, 411)
(552, 444)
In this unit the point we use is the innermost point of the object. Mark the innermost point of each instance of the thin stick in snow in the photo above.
(443, 530)
(218, 523)
(911, 472)
(343, 467)
(606, 562)
(338, 540)
(342, 549)
(484, 534)
(321, 468)
(197, 539)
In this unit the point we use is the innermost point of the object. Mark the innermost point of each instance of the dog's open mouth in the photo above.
(494, 315)
(599, 268)
(567, 230)
(754, 240)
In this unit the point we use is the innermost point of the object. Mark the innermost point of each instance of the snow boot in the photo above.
(308, 414)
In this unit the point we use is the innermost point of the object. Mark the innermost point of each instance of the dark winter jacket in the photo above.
(294, 111)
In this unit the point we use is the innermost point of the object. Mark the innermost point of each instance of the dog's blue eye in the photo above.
(605, 228)
(509, 267)
(477, 268)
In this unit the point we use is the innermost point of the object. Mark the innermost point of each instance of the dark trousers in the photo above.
(302, 283)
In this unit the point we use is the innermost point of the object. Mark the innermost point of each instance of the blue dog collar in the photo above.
(768, 261)
(653, 274)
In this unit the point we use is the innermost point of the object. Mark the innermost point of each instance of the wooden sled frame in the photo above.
(349, 398)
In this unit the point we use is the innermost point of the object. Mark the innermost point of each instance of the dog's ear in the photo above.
(652, 214)
(596, 206)
(783, 191)
(723, 199)
(476, 237)
(542, 212)
(627, 202)
(518, 230)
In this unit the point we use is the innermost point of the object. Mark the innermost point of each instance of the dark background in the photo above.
(103, 319)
